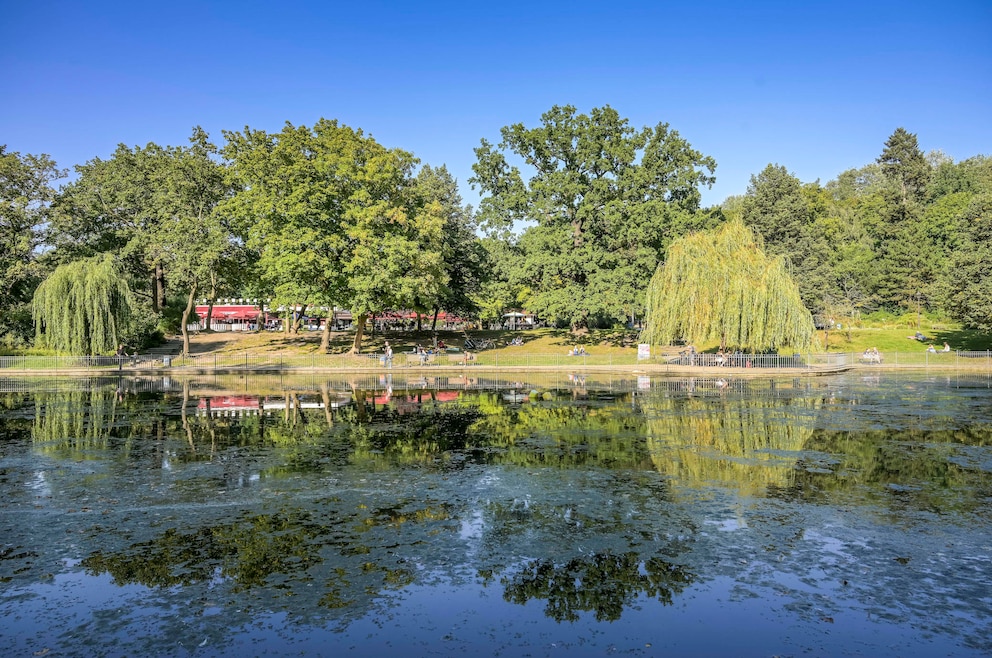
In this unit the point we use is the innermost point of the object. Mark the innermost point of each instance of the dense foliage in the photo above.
(720, 285)
(576, 215)
(603, 202)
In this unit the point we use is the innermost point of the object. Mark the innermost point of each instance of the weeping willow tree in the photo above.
(83, 308)
(720, 285)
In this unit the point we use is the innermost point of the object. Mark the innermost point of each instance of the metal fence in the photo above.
(492, 359)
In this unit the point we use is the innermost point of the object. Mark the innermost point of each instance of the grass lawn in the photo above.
(560, 341)
(538, 341)
(601, 343)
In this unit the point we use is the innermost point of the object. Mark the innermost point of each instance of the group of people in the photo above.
(424, 354)
(872, 355)
(934, 350)
(577, 351)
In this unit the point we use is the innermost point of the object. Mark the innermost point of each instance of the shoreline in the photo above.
(633, 369)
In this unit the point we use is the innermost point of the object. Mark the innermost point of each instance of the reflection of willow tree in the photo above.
(72, 422)
(557, 434)
(352, 555)
(928, 469)
(730, 440)
(603, 584)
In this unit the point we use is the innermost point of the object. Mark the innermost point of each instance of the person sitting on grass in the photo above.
(947, 348)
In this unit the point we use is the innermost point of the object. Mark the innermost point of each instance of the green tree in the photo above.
(783, 211)
(499, 291)
(25, 195)
(334, 219)
(463, 258)
(967, 282)
(110, 208)
(720, 285)
(905, 165)
(83, 307)
(189, 185)
(903, 276)
(603, 200)
(153, 207)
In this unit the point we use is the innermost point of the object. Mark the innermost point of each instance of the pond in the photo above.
(547, 515)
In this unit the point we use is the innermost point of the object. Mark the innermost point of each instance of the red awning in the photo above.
(229, 312)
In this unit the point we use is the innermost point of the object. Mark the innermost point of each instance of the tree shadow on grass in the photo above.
(964, 340)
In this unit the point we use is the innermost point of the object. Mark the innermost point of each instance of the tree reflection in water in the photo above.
(603, 584)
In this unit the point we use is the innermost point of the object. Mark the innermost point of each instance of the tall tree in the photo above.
(967, 282)
(334, 219)
(782, 210)
(189, 184)
(720, 285)
(904, 163)
(903, 276)
(463, 257)
(152, 207)
(26, 191)
(603, 201)
(110, 208)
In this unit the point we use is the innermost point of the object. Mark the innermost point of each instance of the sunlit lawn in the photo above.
(601, 343)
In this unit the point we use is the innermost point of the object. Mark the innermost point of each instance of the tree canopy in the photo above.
(720, 285)
(335, 218)
(601, 203)
(26, 191)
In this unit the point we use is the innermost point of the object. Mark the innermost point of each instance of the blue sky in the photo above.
(814, 87)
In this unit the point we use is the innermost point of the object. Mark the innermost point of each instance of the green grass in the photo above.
(888, 334)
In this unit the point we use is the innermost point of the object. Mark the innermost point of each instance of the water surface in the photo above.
(558, 515)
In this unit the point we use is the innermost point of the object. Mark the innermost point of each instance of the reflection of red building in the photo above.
(227, 404)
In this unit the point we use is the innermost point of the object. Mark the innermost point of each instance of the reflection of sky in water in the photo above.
(824, 516)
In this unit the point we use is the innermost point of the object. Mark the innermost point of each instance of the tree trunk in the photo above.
(299, 319)
(356, 347)
(434, 321)
(325, 336)
(160, 285)
(420, 325)
(210, 302)
(190, 302)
